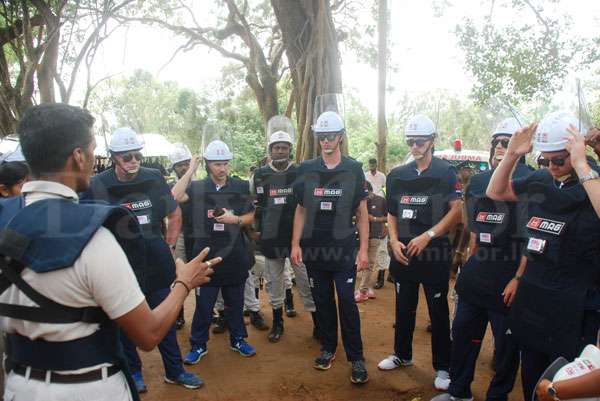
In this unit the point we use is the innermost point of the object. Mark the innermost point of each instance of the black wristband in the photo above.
(182, 283)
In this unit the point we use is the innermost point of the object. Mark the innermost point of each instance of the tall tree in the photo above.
(43, 44)
(382, 56)
(311, 45)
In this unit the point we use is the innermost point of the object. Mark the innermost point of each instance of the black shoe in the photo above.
(246, 313)
(428, 328)
(380, 279)
(289, 303)
(324, 361)
(277, 329)
(179, 323)
(257, 320)
(220, 324)
(359, 372)
(390, 279)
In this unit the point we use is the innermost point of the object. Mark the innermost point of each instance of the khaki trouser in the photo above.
(368, 277)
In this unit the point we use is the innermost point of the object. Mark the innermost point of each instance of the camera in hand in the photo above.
(219, 211)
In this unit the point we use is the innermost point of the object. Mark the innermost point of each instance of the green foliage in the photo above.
(520, 61)
(148, 105)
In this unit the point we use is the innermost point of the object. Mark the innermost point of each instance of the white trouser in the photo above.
(113, 388)
(276, 286)
(383, 256)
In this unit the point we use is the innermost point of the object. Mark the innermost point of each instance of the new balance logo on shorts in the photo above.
(414, 200)
(546, 225)
(488, 217)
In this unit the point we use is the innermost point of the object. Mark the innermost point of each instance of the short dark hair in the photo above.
(12, 173)
(372, 161)
(50, 132)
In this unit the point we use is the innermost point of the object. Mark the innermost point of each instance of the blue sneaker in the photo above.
(187, 380)
(194, 356)
(243, 347)
(139, 382)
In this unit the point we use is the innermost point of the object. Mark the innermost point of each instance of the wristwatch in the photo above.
(431, 234)
(552, 392)
(592, 175)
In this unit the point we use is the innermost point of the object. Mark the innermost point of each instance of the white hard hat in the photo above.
(419, 125)
(125, 139)
(179, 154)
(588, 361)
(551, 134)
(217, 151)
(280, 136)
(329, 122)
(507, 127)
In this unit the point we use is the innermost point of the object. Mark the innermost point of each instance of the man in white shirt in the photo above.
(376, 178)
(64, 256)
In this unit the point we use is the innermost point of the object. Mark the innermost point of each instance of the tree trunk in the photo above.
(311, 45)
(382, 28)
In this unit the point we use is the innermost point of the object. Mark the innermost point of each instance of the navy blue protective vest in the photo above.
(563, 233)
(46, 236)
(496, 226)
(224, 240)
(421, 202)
(275, 207)
(330, 199)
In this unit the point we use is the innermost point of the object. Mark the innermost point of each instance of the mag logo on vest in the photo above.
(546, 225)
(489, 217)
(414, 200)
(328, 192)
(138, 205)
(280, 191)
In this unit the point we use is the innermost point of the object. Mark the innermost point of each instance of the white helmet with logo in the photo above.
(507, 127)
(329, 122)
(217, 150)
(420, 125)
(124, 140)
(588, 361)
(552, 132)
(280, 136)
(179, 154)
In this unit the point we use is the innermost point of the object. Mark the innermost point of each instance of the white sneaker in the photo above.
(393, 362)
(448, 397)
(442, 380)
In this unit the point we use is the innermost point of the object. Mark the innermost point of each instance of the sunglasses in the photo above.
(127, 157)
(502, 142)
(329, 137)
(558, 161)
(418, 142)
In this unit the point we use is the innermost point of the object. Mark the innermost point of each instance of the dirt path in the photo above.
(283, 371)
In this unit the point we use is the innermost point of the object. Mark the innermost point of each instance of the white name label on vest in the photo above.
(414, 200)
(536, 245)
(546, 225)
(485, 238)
(489, 217)
(279, 201)
(219, 227)
(260, 190)
(144, 219)
(409, 214)
(328, 192)
(326, 206)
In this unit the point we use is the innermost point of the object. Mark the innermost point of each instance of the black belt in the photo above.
(40, 375)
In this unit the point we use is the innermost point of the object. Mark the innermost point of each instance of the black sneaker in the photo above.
(179, 323)
(324, 361)
(359, 372)
(220, 324)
